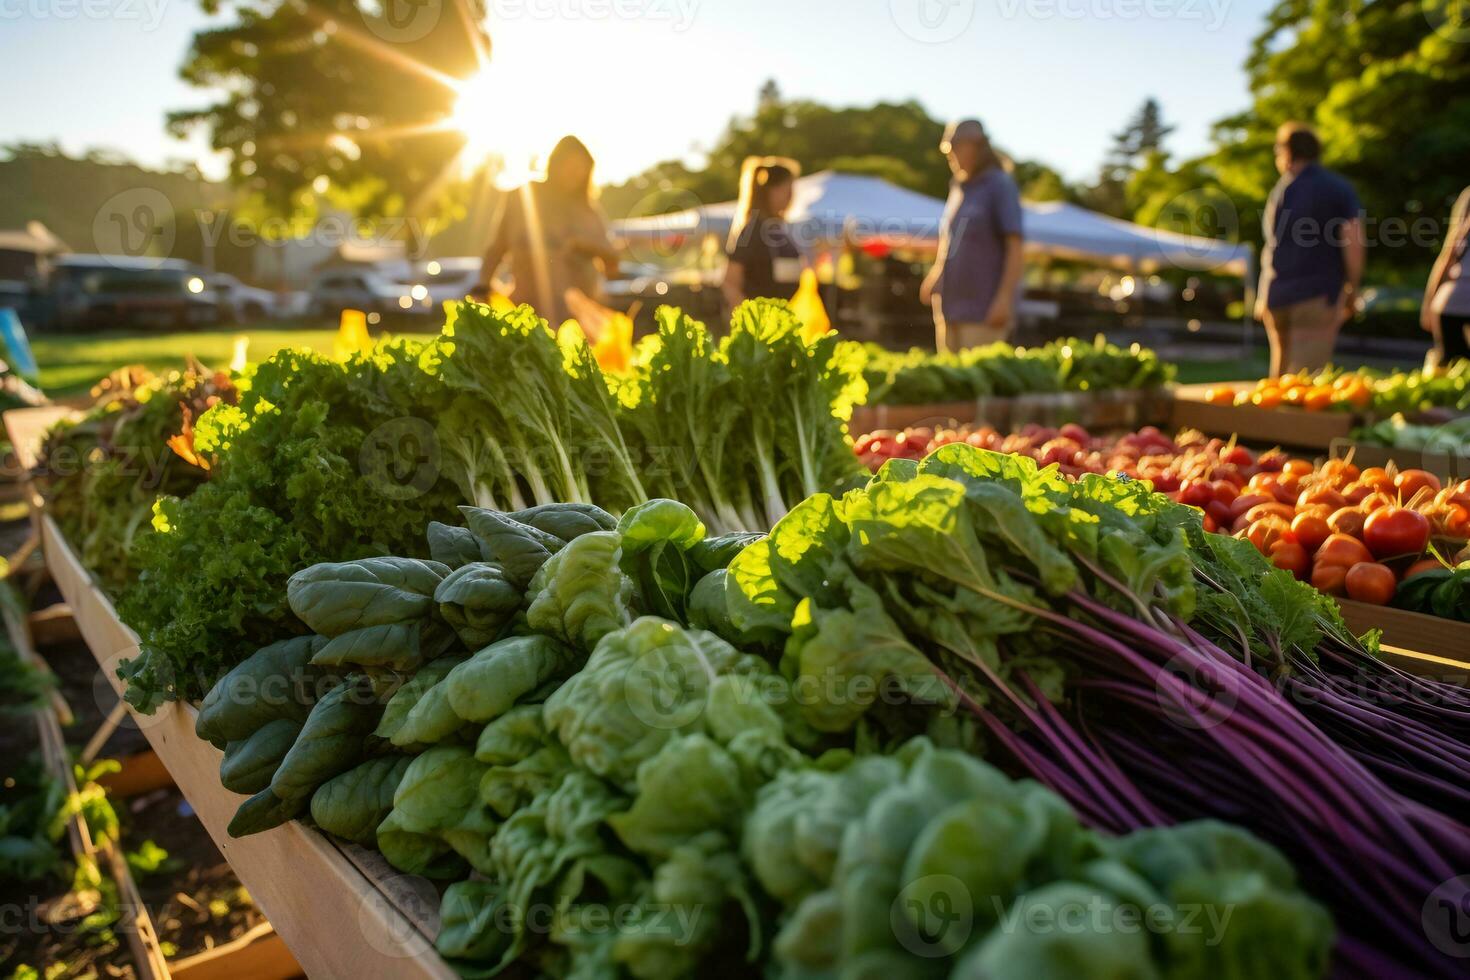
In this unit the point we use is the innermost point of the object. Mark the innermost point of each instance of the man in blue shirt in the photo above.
(976, 278)
(1312, 262)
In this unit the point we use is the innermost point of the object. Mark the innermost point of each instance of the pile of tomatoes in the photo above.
(1348, 531)
(1346, 391)
(1147, 454)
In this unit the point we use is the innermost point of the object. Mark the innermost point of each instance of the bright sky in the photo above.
(645, 80)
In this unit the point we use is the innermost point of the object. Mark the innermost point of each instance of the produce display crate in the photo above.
(1448, 468)
(1418, 642)
(341, 909)
(1114, 409)
(1265, 426)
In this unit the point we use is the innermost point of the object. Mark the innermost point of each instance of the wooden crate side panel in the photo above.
(336, 921)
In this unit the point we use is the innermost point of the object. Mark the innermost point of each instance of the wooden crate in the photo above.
(1292, 427)
(1432, 644)
(341, 909)
(1449, 469)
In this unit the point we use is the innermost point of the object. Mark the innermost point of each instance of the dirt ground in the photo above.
(192, 895)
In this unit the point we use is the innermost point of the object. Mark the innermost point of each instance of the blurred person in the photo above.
(1446, 309)
(976, 279)
(1312, 260)
(764, 261)
(555, 235)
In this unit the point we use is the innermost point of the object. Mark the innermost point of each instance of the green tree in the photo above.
(896, 141)
(1387, 85)
(338, 93)
(1140, 140)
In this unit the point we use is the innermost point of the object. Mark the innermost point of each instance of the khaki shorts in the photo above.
(960, 334)
(1303, 335)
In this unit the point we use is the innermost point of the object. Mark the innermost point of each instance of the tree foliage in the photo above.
(327, 88)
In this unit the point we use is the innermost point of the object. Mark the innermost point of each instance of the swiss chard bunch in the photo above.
(527, 419)
(744, 429)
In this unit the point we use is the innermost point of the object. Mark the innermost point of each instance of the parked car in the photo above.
(243, 303)
(361, 288)
(444, 280)
(83, 292)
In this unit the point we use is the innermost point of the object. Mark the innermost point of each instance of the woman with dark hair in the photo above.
(764, 261)
(555, 234)
(1446, 309)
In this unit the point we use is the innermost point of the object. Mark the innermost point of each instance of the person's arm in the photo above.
(1003, 306)
(733, 285)
(599, 245)
(1008, 218)
(495, 251)
(1353, 253)
(929, 288)
(1429, 317)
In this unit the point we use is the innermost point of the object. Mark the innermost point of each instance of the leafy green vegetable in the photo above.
(581, 594)
(478, 601)
(333, 739)
(353, 804)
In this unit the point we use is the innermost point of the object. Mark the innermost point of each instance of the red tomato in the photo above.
(1209, 523)
(1246, 501)
(1291, 556)
(1368, 581)
(1329, 578)
(1356, 493)
(1422, 565)
(1271, 461)
(1311, 530)
(1195, 493)
(1339, 549)
(1220, 512)
(1396, 532)
(1238, 456)
(1225, 491)
(1410, 482)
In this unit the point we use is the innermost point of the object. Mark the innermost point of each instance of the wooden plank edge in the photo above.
(320, 901)
(259, 953)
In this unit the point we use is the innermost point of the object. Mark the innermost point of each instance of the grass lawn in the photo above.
(70, 364)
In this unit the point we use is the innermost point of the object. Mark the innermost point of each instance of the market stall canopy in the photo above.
(830, 208)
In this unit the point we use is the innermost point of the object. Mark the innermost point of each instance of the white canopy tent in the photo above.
(830, 209)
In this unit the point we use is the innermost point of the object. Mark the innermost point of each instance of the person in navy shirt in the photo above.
(1312, 262)
(975, 283)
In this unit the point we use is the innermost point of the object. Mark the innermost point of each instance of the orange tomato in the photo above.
(1316, 399)
(1377, 478)
(1339, 549)
(1329, 578)
(1410, 482)
(1347, 520)
(1267, 398)
(1311, 530)
(1319, 494)
(1259, 511)
(1340, 469)
(1298, 468)
(1291, 556)
(1266, 531)
(1220, 395)
(1368, 581)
